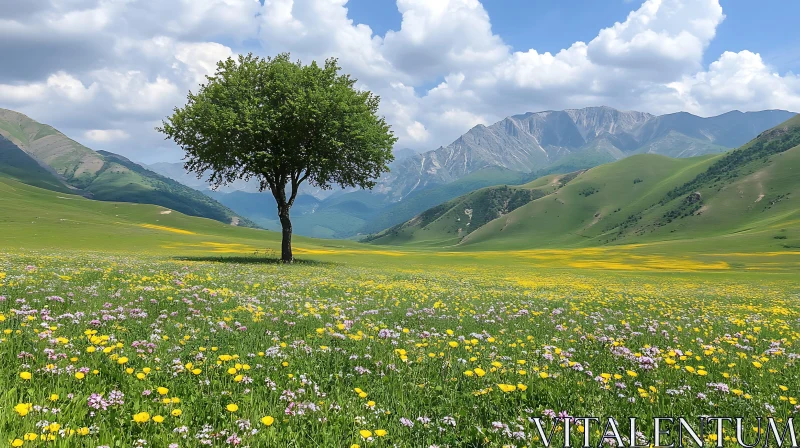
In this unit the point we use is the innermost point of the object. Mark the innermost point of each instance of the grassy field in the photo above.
(112, 350)
(130, 325)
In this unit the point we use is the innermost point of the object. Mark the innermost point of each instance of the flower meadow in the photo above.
(103, 350)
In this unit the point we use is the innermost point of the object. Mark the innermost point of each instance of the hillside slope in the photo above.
(748, 194)
(451, 221)
(57, 162)
(15, 163)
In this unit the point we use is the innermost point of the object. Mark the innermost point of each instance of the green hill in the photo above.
(34, 218)
(746, 196)
(15, 163)
(451, 221)
(40, 155)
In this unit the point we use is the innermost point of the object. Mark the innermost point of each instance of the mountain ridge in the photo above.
(536, 140)
(41, 155)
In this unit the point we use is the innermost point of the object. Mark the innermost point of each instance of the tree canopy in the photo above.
(282, 123)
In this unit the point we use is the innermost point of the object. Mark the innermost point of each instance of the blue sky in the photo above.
(768, 27)
(440, 68)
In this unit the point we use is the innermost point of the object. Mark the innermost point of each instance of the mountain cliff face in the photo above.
(535, 141)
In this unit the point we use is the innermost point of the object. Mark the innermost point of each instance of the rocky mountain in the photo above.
(536, 141)
(40, 155)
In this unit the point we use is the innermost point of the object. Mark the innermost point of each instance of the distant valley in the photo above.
(512, 151)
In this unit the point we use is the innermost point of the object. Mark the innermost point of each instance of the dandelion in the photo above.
(141, 417)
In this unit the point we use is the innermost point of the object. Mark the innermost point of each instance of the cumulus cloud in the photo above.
(106, 135)
(737, 81)
(119, 66)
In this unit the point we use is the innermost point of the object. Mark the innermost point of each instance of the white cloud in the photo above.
(662, 36)
(106, 135)
(22, 94)
(443, 36)
(737, 81)
(417, 132)
(119, 66)
(70, 87)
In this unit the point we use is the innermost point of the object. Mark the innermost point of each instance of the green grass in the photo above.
(336, 351)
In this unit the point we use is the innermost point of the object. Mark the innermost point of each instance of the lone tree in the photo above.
(282, 123)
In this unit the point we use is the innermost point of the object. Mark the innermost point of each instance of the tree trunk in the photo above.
(286, 241)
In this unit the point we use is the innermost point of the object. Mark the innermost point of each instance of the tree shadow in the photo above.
(254, 260)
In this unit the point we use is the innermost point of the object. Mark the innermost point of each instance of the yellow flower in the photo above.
(158, 419)
(480, 372)
(122, 360)
(176, 412)
(232, 407)
(757, 364)
(23, 409)
(380, 432)
(507, 387)
(162, 391)
(453, 344)
(365, 433)
(141, 417)
(543, 375)
(522, 387)
(80, 375)
(268, 421)
(25, 375)
(632, 373)
(469, 373)
(17, 442)
(54, 397)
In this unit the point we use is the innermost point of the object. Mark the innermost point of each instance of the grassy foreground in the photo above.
(101, 349)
